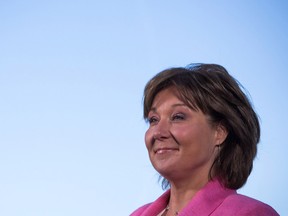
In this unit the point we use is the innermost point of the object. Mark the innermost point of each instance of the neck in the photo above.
(182, 192)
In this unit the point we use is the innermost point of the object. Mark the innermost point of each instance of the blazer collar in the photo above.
(204, 202)
(207, 199)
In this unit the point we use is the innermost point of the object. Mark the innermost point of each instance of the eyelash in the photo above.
(152, 120)
(176, 117)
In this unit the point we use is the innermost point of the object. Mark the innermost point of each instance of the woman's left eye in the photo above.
(178, 116)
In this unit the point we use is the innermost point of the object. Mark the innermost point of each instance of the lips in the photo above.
(165, 150)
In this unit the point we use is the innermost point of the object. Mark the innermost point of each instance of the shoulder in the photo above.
(242, 205)
(140, 210)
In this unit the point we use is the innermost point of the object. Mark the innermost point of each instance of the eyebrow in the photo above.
(153, 109)
(179, 104)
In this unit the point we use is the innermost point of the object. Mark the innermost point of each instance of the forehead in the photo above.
(175, 94)
(170, 93)
(170, 99)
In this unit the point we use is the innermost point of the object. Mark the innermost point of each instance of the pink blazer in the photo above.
(213, 200)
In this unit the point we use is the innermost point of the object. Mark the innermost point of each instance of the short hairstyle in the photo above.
(211, 89)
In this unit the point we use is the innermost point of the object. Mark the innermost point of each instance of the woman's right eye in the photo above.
(152, 120)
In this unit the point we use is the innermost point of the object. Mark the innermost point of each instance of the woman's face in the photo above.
(180, 141)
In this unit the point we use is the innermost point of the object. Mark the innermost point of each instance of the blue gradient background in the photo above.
(72, 75)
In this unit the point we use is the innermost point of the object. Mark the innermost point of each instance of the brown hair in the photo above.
(210, 88)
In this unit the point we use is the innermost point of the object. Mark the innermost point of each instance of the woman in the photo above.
(202, 139)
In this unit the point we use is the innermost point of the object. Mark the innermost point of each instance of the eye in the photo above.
(178, 116)
(152, 120)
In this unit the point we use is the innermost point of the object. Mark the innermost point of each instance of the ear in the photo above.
(221, 134)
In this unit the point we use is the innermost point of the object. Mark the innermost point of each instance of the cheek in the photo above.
(189, 136)
(182, 134)
(148, 138)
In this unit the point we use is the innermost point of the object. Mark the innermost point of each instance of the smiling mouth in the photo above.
(165, 150)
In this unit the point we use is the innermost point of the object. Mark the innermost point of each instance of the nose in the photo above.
(161, 130)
